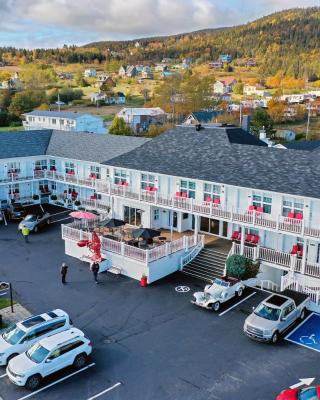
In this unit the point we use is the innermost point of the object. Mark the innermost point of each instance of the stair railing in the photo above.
(231, 252)
(270, 285)
(192, 254)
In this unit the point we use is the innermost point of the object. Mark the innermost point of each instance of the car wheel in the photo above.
(275, 337)
(303, 314)
(216, 306)
(11, 357)
(35, 229)
(240, 292)
(33, 382)
(80, 361)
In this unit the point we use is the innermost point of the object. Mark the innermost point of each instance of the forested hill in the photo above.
(287, 41)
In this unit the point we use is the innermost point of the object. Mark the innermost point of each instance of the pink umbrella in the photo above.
(82, 215)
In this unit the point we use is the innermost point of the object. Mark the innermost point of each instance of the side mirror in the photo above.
(253, 308)
(48, 360)
(283, 318)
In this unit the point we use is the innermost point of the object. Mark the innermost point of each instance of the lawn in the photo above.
(300, 128)
(11, 128)
(5, 303)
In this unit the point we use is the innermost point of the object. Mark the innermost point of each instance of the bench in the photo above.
(114, 270)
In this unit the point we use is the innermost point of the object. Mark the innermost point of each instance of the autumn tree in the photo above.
(26, 101)
(38, 76)
(119, 127)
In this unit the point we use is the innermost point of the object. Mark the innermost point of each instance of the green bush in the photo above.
(241, 267)
(53, 197)
(77, 203)
(35, 197)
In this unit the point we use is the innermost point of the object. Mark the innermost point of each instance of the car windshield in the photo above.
(13, 334)
(30, 218)
(37, 353)
(309, 393)
(221, 282)
(268, 312)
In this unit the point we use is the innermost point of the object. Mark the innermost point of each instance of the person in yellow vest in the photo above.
(25, 233)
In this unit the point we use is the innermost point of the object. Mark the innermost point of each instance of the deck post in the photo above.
(304, 257)
(242, 241)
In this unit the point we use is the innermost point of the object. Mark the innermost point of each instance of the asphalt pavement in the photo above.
(149, 343)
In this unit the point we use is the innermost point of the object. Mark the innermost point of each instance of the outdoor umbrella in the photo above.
(145, 233)
(82, 215)
(112, 223)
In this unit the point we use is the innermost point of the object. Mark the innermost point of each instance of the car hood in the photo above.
(289, 394)
(259, 322)
(4, 346)
(21, 364)
(27, 224)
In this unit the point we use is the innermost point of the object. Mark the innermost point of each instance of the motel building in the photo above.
(196, 186)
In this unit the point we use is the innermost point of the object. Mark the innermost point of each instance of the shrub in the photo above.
(53, 197)
(241, 267)
(77, 203)
(35, 197)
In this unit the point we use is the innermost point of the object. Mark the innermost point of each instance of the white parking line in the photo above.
(105, 391)
(235, 305)
(61, 219)
(58, 381)
(2, 376)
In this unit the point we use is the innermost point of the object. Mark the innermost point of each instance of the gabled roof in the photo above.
(227, 80)
(59, 114)
(205, 116)
(24, 143)
(308, 145)
(228, 156)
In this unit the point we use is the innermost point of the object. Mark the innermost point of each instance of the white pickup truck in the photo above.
(275, 315)
(220, 291)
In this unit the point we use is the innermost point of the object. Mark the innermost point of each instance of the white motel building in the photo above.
(222, 181)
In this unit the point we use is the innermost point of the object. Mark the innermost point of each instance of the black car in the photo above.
(16, 211)
(35, 221)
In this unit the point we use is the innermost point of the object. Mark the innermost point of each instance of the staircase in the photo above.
(207, 265)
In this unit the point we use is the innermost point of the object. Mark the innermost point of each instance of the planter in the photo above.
(143, 281)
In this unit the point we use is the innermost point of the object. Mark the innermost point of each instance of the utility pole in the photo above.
(240, 114)
(308, 121)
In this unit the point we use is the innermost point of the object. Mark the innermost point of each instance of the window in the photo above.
(262, 201)
(291, 205)
(188, 187)
(95, 171)
(14, 189)
(71, 346)
(132, 216)
(147, 180)
(156, 214)
(52, 165)
(43, 187)
(120, 176)
(69, 167)
(40, 165)
(185, 216)
(53, 186)
(61, 121)
(54, 121)
(13, 167)
(211, 192)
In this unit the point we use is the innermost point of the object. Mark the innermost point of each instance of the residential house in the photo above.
(147, 74)
(182, 181)
(255, 90)
(90, 73)
(224, 85)
(131, 71)
(225, 58)
(122, 71)
(251, 62)
(63, 120)
(102, 98)
(104, 79)
(215, 64)
(161, 67)
(139, 119)
(294, 98)
(65, 75)
(201, 117)
(285, 134)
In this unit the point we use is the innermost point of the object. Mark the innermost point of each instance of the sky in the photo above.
(53, 23)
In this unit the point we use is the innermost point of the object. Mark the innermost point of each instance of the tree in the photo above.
(241, 267)
(5, 99)
(80, 81)
(238, 88)
(4, 76)
(26, 101)
(261, 119)
(119, 127)
(38, 76)
(276, 110)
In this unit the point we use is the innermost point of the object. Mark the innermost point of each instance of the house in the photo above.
(161, 67)
(90, 73)
(13, 83)
(224, 85)
(255, 90)
(104, 79)
(215, 64)
(65, 75)
(225, 58)
(122, 71)
(139, 68)
(294, 98)
(220, 181)
(251, 62)
(201, 117)
(147, 74)
(131, 71)
(140, 119)
(167, 74)
(63, 120)
(102, 98)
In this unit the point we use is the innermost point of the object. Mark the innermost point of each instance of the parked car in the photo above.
(35, 221)
(307, 393)
(48, 356)
(16, 211)
(275, 315)
(19, 337)
(220, 291)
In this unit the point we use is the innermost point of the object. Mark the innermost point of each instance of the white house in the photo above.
(63, 120)
(90, 73)
(141, 118)
(262, 201)
(115, 98)
(224, 86)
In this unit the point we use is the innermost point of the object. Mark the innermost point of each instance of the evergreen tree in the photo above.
(119, 127)
(261, 119)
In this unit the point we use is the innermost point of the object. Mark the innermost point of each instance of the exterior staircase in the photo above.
(207, 265)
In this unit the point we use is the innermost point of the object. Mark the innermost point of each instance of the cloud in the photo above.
(49, 23)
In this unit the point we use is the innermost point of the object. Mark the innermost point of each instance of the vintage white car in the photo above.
(220, 291)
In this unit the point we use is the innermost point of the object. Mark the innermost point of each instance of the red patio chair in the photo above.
(235, 235)
(251, 208)
(125, 184)
(291, 215)
(184, 195)
(208, 199)
(216, 201)
(153, 189)
(259, 210)
(295, 249)
(255, 239)
(148, 189)
(299, 216)
(178, 194)
(248, 238)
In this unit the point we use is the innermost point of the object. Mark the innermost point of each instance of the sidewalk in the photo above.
(19, 313)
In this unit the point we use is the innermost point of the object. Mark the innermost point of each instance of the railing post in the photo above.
(242, 241)
(302, 227)
(81, 234)
(167, 248)
(122, 248)
(317, 298)
(210, 208)
(191, 205)
(293, 259)
(258, 252)
(156, 197)
(254, 218)
(304, 257)
(277, 222)
(254, 254)
(147, 257)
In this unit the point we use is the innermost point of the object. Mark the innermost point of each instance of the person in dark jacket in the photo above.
(63, 272)
(95, 269)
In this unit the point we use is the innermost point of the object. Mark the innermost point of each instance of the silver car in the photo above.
(33, 222)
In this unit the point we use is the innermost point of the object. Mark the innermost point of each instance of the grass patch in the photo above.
(4, 303)
(11, 128)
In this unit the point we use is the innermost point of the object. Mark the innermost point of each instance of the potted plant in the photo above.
(77, 203)
(53, 197)
(35, 197)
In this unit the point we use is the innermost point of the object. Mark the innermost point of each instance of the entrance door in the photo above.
(175, 219)
(209, 225)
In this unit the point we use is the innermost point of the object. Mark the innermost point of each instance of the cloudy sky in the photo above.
(52, 23)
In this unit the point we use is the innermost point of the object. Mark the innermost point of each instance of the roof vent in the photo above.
(199, 127)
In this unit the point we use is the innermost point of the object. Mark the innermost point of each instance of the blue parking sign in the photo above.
(307, 334)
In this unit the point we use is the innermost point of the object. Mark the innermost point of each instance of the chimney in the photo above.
(245, 123)
(263, 137)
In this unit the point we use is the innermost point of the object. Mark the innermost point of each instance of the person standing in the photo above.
(63, 272)
(95, 269)
(25, 233)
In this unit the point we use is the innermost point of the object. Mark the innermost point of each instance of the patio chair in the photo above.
(251, 208)
(259, 210)
(255, 240)
(291, 215)
(235, 235)
(299, 216)
(248, 238)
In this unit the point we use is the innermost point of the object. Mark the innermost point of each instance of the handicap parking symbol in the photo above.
(307, 334)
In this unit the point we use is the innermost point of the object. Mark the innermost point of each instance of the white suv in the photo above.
(48, 356)
(20, 336)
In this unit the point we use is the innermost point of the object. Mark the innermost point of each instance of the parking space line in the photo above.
(297, 327)
(235, 305)
(58, 381)
(61, 219)
(2, 376)
(105, 391)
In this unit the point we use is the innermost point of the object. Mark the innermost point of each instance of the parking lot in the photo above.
(149, 343)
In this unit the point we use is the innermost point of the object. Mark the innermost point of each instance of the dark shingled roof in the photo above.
(24, 143)
(308, 145)
(205, 116)
(214, 154)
